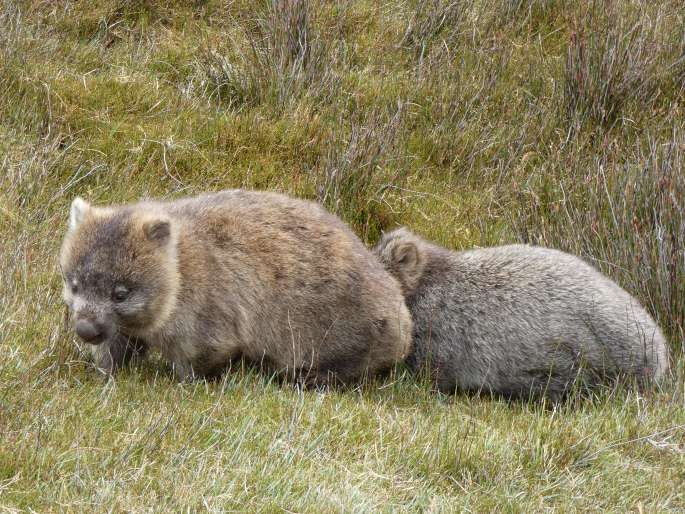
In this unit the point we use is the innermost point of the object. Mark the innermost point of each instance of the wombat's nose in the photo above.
(89, 331)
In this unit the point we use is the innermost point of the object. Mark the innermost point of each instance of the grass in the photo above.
(475, 123)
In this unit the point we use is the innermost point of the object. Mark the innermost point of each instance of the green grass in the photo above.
(474, 123)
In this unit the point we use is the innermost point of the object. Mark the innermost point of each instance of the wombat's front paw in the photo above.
(104, 362)
(112, 355)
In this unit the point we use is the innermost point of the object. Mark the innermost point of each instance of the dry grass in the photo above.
(476, 122)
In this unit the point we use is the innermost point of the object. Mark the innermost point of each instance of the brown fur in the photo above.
(263, 276)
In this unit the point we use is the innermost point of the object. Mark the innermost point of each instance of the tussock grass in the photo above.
(351, 175)
(430, 21)
(277, 58)
(475, 122)
(619, 53)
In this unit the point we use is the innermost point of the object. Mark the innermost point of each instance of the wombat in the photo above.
(237, 274)
(519, 321)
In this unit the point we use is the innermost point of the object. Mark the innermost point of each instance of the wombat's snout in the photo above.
(90, 331)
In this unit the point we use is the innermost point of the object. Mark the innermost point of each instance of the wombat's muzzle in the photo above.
(90, 331)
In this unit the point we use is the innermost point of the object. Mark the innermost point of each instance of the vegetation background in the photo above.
(474, 122)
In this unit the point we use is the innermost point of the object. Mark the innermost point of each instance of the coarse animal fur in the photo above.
(519, 321)
(206, 280)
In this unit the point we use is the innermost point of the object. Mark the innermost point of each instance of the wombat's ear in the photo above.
(157, 230)
(406, 255)
(78, 212)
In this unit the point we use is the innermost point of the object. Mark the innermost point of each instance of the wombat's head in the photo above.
(400, 251)
(119, 270)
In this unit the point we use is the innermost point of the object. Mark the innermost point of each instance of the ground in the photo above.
(474, 123)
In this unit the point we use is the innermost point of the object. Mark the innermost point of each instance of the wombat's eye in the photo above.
(120, 293)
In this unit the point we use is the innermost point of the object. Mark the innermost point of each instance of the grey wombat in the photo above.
(519, 320)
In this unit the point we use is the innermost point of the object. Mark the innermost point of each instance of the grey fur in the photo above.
(206, 280)
(520, 321)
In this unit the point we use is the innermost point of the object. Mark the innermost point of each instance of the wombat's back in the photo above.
(312, 298)
(520, 319)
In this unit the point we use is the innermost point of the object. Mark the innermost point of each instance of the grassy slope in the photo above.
(479, 123)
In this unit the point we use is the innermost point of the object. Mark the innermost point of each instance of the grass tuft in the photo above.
(277, 59)
(617, 54)
(431, 20)
(353, 176)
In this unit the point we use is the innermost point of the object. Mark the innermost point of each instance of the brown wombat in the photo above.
(235, 274)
